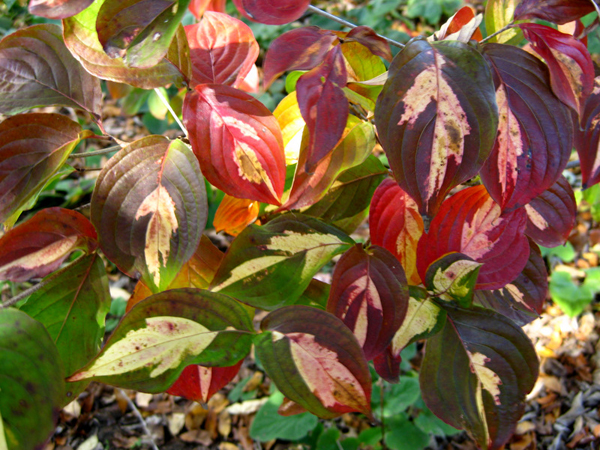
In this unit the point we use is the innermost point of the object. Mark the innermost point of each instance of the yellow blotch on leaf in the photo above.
(161, 226)
(235, 214)
(292, 126)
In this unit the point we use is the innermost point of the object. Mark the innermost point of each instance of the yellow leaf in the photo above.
(292, 126)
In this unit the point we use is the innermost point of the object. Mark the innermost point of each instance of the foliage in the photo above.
(454, 265)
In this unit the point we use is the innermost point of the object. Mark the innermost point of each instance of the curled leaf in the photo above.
(39, 246)
(272, 12)
(57, 9)
(557, 11)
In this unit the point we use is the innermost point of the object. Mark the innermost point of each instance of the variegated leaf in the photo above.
(200, 383)
(271, 265)
(237, 141)
(551, 216)
(424, 318)
(452, 278)
(436, 118)
(33, 147)
(57, 9)
(72, 304)
(149, 207)
(366, 36)
(369, 294)
(324, 106)
(387, 365)
(395, 224)
(167, 332)
(294, 338)
(36, 69)
(222, 49)
(299, 49)
(570, 64)
(39, 246)
(81, 38)
(534, 134)
(470, 222)
(521, 300)
(494, 366)
(462, 26)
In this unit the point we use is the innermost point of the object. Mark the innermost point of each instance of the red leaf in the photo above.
(237, 141)
(557, 11)
(387, 365)
(470, 222)
(300, 49)
(271, 12)
(534, 138)
(58, 9)
(199, 383)
(522, 300)
(323, 105)
(367, 37)
(551, 215)
(395, 224)
(369, 294)
(570, 64)
(222, 49)
(587, 139)
(197, 7)
(39, 246)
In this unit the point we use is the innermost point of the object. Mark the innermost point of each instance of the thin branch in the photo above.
(341, 21)
(597, 7)
(501, 30)
(168, 106)
(26, 293)
(140, 418)
(104, 151)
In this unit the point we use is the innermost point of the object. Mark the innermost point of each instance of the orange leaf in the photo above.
(235, 214)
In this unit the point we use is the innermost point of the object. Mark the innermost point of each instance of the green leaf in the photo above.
(571, 298)
(291, 79)
(31, 381)
(498, 14)
(371, 436)
(566, 253)
(149, 207)
(328, 439)
(293, 338)
(428, 423)
(315, 295)
(139, 31)
(73, 306)
(453, 278)
(493, 367)
(269, 424)
(167, 332)
(404, 435)
(397, 398)
(347, 201)
(271, 265)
